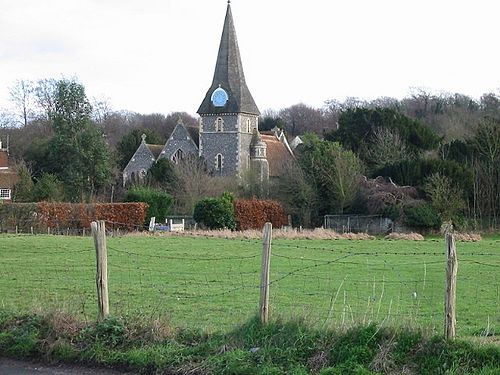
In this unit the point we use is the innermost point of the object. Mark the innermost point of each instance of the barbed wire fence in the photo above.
(327, 283)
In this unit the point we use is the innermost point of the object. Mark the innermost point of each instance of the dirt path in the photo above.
(14, 367)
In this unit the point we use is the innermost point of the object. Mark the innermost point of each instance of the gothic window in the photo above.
(218, 162)
(219, 124)
(178, 156)
(249, 126)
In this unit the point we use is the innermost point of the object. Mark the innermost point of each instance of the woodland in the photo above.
(425, 159)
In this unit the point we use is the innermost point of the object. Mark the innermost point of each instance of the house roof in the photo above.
(229, 76)
(8, 179)
(277, 154)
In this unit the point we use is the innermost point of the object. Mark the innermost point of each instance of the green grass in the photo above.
(291, 347)
(213, 283)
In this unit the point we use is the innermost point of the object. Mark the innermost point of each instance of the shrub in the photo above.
(158, 201)
(254, 213)
(48, 188)
(415, 172)
(215, 213)
(74, 215)
(422, 216)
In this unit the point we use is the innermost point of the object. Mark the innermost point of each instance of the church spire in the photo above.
(229, 76)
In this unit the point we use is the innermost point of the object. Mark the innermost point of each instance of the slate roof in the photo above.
(179, 139)
(277, 154)
(229, 76)
(142, 159)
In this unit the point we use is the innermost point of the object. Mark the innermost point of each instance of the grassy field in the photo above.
(213, 283)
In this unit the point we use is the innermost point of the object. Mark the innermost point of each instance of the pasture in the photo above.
(213, 283)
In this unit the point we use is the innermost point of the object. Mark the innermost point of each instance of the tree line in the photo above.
(421, 159)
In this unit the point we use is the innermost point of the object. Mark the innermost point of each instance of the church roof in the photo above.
(277, 154)
(155, 149)
(229, 76)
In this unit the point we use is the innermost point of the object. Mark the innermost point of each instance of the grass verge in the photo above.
(281, 347)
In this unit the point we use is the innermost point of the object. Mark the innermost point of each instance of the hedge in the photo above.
(45, 215)
(254, 213)
(158, 201)
(215, 213)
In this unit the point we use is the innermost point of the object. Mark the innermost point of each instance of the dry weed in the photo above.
(64, 325)
(157, 330)
(318, 361)
(383, 362)
(404, 236)
(289, 234)
(468, 237)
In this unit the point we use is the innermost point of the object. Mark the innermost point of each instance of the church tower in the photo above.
(228, 112)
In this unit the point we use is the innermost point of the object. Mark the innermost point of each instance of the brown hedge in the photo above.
(254, 213)
(77, 215)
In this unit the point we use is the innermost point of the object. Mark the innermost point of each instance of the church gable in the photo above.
(140, 163)
(178, 145)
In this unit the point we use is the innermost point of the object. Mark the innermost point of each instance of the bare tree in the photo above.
(101, 110)
(301, 118)
(386, 147)
(486, 170)
(21, 95)
(194, 183)
(45, 93)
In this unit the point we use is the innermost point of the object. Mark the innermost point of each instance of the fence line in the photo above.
(334, 282)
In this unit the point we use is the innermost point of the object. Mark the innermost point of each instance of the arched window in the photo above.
(249, 126)
(177, 156)
(219, 124)
(218, 162)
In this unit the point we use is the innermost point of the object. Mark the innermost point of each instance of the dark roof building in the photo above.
(229, 76)
(228, 138)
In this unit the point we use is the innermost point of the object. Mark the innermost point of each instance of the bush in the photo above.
(48, 188)
(415, 173)
(423, 216)
(78, 215)
(158, 201)
(254, 213)
(215, 213)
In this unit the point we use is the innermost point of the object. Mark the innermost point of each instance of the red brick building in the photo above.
(8, 177)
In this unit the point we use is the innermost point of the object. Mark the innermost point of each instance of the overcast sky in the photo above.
(159, 55)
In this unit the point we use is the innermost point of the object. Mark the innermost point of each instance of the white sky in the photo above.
(159, 55)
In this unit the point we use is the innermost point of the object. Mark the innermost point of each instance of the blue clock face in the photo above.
(219, 97)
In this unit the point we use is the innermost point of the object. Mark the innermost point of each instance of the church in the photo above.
(228, 139)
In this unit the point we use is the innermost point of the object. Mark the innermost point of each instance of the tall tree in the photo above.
(358, 128)
(78, 152)
(45, 94)
(21, 95)
(335, 171)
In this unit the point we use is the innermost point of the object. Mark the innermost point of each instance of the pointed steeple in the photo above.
(229, 76)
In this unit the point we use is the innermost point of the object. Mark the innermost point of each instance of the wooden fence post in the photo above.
(451, 287)
(264, 278)
(101, 277)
